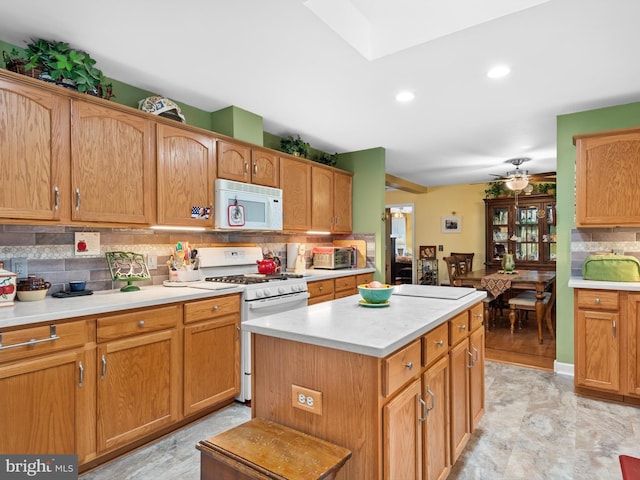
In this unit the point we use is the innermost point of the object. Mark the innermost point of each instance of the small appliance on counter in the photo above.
(7, 287)
(333, 258)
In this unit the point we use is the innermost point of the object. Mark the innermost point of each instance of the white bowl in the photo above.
(32, 295)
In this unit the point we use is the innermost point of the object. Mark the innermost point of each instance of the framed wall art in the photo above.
(452, 224)
(427, 252)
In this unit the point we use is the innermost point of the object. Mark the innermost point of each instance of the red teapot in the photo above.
(269, 266)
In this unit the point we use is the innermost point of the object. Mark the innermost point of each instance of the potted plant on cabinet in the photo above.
(494, 190)
(295, 146)
(327, 159)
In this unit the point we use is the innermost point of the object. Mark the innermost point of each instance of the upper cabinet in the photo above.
(295, 178)
(185, 177)
(526, 229)
(331, 208)
(608, 178)
(112, 168)
(245, 164)
(34, 149)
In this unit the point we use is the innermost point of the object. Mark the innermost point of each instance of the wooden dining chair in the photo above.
(453, 268)
(465, 260)
(525, 302)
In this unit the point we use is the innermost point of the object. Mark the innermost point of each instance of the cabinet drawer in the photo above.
(458, 327)
(598, 299)
(141, 321)
(344, 284)
(476, 314)
(435, 343)
(320, 287)
(212, 308)
(400, 367)
(364, 278)
(67, 335)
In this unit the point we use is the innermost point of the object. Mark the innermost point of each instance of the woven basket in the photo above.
(17, 65)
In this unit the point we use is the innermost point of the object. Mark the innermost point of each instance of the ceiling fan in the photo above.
(518, 179)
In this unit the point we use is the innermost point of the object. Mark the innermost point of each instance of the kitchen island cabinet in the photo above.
(366, 365)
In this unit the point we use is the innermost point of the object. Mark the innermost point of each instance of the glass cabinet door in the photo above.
(549, 236)
(500, 232)
(527, 234)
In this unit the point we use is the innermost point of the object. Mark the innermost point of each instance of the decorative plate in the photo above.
(374, 305)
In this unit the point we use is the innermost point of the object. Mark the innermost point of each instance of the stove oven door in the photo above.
(257, 309)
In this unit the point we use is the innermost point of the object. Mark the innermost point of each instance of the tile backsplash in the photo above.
(49, 250)
(587, 241)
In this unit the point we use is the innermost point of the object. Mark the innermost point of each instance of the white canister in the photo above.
(292, 253)
(7, 287)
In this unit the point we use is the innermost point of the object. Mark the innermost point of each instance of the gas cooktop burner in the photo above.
(250, 278)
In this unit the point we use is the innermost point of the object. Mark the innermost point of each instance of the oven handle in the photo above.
(282, 300)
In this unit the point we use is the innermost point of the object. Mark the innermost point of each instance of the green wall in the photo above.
(609, 118)
(238, 123)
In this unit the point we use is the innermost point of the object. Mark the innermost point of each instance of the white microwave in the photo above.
(243, 206)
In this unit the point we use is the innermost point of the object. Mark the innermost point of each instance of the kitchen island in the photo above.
(401, 386)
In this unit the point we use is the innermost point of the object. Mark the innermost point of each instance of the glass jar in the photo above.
(508, 263)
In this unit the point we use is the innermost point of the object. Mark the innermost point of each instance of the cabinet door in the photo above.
(604, 160)
(111, 165)
(322, 199)
(459, 398)
(46, 407)
(138, 387)
(233, 161)
(186, 174)
(402, 437)
(597, 347)
(342, 193)
(211, 363)
(295, 181)
(435, 382)
(34, 149)
(265, 168)
(476, 377)
(633, 345)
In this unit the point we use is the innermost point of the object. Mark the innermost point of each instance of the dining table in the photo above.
(497, 282)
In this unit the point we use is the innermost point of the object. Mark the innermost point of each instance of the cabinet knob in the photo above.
(409, 365)
(216, 308)
(141, 323)
(462, 327)
(597, 300)
(439, 343)
(321, 288)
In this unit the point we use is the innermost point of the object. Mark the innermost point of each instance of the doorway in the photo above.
(399, 243)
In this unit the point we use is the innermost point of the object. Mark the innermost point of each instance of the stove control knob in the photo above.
(281, 290)
(266, 292)
(258, 293)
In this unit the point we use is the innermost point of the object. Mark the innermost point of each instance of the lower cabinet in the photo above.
(330, 289)
(435, 384)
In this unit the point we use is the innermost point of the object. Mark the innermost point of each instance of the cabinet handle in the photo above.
(433, 400)
(597, 300)
(476, 355)
(471, 362)
(439, 343)
(33, 341)
(462, 327)
(141, 323)
(77, 199)
(246, 167)
(104, 367)
(81, 369)
(216, 308)
(409, 365)
(614, 329)
(321, 288)
(255, 168)
(56, 197)
(424, 410)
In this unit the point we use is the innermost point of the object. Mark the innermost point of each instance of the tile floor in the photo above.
(534, 428)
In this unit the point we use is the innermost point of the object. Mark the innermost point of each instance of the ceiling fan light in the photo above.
(517, 183)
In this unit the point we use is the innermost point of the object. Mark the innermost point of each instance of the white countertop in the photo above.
(49, 309)
(346, 325)
(579, 282)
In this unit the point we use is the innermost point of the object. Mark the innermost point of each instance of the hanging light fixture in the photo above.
(517, 179)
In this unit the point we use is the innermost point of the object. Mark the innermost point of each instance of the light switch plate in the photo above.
(19, 266)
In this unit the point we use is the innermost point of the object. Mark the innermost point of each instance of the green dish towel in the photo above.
(611, 268)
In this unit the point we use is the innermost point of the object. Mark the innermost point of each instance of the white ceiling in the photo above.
(280, 60)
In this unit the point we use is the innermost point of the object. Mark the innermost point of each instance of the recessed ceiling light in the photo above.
(499, 71)
(405, 96)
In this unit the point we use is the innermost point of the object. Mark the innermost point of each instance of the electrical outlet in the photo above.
(19, 267)
(152, 262)
(306, 399)
(440, 248)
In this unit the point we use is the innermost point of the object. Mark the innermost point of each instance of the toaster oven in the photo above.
(332, 258)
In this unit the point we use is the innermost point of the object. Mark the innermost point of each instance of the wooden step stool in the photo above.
(265, 450)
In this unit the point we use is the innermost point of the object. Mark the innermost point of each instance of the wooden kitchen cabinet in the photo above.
(34, 148)
(211, 352)
(243, 163)
(265, 167)
(186, 172)
(605, 163)
(47, 391)
(112, 167)
(330, 289)
(138, 362)
(435, 392)
(527, 230)
(331, 207)
(633, 345)
(295, 181)
(345, 286)
(320, 291)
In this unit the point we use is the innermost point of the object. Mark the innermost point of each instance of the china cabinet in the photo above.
(525, 227)
(428, 271)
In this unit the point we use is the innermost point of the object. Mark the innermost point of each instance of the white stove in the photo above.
(228, 267)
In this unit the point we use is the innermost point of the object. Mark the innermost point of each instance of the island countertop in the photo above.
(346, 325)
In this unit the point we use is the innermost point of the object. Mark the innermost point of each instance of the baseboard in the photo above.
(563, 368)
